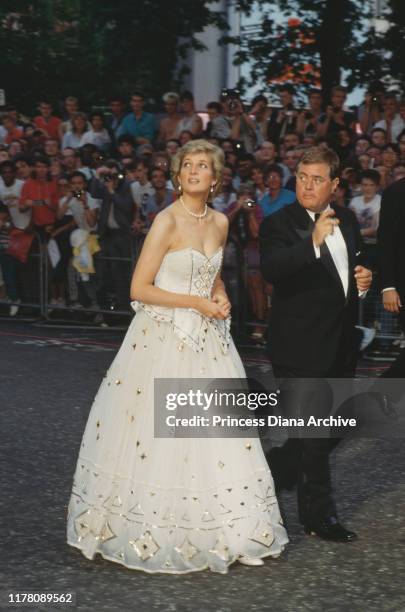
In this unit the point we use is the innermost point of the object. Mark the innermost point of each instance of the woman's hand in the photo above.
(211, 309)
(222, 300)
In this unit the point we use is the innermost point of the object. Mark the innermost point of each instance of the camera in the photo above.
(249, 203)
(231, 96)
(78, 194)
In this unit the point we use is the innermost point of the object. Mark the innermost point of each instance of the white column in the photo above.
(207, 76)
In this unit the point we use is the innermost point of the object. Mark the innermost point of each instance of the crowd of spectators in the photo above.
(85, 187)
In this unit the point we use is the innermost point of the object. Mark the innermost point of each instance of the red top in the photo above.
(50, 126)
(15, 134)
(34, 189)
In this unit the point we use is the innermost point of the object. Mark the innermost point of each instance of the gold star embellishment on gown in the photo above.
(263, 534)
(107, 533)
(187, 550)
(145, 546)
(221, 549)
(82, 528)
(137, 510)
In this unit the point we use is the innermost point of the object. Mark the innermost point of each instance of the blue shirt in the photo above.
(144, 127)
(270, 206)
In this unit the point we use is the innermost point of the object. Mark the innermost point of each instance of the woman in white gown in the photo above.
(184, 504)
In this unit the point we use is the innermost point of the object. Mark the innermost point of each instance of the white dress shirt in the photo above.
(337, 247)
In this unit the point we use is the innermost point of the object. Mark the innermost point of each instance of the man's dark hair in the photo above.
(336, 88)
(259, 98)
(274, 168)
(152, 170)
(7, 164)
(126, 138)
(79, 174)
(246, 157)
(363, 137)
(288, 88)
(24, 158)
(42, 159)
(371, 175)
(138, 94)
(216, 106)
(314, 90)
(97, 114)
(112, 163)
(322, 155)
(393, 146)
(186, 95)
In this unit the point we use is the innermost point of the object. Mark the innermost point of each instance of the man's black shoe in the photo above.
(330, 529)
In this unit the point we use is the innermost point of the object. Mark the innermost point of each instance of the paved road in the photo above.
(47, 382)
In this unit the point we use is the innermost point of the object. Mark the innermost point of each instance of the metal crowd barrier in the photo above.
(29, 280)
(373, 315)
(35, 278)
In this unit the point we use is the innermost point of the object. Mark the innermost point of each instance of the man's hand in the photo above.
(363, 278)
(324, 227)
(391, 301)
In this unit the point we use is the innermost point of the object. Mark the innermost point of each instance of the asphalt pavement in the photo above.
(48, 378)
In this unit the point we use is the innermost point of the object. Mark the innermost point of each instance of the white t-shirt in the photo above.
(397, 125)
(10, 197)
(76, 210)
(367, 213)
(99, 139)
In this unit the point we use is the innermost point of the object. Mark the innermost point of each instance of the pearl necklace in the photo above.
(198, 216)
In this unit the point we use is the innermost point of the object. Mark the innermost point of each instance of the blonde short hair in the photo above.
(215, 154)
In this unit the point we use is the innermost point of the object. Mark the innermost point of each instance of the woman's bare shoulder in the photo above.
(220, 219)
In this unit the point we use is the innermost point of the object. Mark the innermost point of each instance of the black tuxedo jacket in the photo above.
(391, 238)
(311, 320)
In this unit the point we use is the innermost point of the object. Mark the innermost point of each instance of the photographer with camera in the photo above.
(370, 111)
(79, 204)
(243, 128)
(336, 117)
(308, 121)
(117, 212)
(283, 120)
(245, 216)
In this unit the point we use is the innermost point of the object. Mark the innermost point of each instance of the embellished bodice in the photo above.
(190, 272)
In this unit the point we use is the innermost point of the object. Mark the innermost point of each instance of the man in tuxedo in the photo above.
(391, 261)
(310, 253)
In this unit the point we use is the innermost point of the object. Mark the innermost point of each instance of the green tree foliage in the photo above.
(325, 38)
(394, 41)
(90, 48)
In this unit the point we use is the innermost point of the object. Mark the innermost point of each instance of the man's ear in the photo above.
(335, 184)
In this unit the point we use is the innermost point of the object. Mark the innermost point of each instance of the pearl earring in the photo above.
(212, 189)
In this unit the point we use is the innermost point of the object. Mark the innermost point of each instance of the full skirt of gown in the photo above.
(173, 505)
